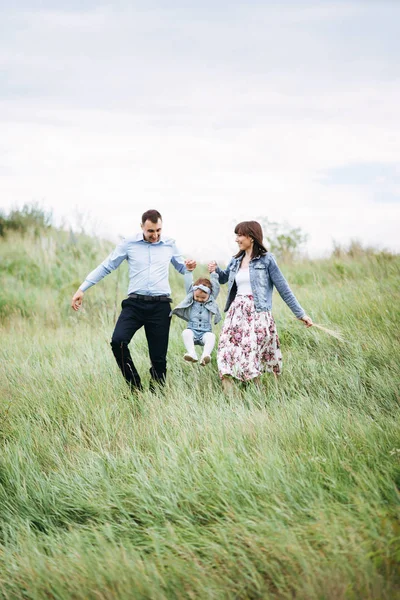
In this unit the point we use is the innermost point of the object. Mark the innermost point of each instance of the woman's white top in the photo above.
(243, 282)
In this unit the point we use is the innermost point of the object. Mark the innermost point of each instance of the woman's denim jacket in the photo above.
(184, 308)
(264, 275)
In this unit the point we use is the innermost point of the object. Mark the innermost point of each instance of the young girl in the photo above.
(249, 343)
(198, 308)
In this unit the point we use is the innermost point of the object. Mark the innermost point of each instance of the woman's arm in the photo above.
(284, 290)
(223, 275)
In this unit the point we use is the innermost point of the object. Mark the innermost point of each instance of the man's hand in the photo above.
(190, 264)
(212, 266)
(307, 320)
(76, 301)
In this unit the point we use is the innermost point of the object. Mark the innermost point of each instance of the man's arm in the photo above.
(112, 262)
(179, 263)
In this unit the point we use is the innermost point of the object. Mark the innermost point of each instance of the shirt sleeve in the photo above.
(283, 288)
(177, 260)
(112, 262)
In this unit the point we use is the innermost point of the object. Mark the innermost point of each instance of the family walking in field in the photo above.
(248, 344)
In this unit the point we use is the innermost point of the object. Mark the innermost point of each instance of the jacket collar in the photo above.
(239, 259)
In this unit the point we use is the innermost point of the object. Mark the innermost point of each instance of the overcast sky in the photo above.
(210, 112)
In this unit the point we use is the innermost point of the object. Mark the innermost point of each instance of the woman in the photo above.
(249, 343)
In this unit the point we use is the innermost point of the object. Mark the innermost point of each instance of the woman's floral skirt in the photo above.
(249, 343)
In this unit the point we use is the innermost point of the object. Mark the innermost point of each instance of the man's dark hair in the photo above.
(253, 230)
(151, 215)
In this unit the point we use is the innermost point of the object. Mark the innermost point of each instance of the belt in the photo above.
(150, 298)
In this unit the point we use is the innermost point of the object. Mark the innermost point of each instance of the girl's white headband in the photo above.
(202, 287)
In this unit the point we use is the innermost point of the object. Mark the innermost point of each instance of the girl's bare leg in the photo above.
(227, 385)
(257, 382)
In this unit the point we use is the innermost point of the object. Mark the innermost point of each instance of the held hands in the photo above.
(307, 321)
(212, 266)
(76, 301)
(190, 264)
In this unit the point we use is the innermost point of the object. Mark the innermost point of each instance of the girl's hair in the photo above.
(203, 281)
(253, 230)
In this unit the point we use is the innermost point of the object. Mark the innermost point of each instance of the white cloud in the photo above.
(111, 112)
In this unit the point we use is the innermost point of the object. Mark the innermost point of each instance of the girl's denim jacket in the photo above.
(264, 275)
(184, 308)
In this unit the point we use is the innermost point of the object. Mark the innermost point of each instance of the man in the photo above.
(148, 302)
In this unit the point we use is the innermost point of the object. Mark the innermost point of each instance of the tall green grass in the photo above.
(290, 490)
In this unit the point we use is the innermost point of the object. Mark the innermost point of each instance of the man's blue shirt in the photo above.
(148, 265)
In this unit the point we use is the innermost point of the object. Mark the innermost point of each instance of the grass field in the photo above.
(289, 491)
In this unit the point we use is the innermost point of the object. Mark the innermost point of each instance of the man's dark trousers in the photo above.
(154, 314)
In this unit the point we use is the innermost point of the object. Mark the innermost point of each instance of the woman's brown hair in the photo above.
(253, 230)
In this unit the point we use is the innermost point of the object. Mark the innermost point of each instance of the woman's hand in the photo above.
(307, 321)
(76, 301)
(212, 266)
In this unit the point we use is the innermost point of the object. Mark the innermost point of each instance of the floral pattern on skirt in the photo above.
(249, 343)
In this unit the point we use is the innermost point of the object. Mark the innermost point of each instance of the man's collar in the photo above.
(139, 238)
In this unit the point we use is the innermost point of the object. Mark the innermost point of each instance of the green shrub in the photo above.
(29, 219)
